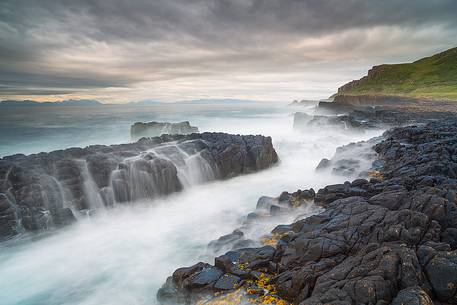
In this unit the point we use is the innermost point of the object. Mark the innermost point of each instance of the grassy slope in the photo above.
(433, 77)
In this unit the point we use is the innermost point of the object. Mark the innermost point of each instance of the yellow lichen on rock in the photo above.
(376, 174)
(271, 240)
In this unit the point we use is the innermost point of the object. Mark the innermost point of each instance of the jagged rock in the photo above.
(303, 120)
(387, 240)
(441, 271)
(156, 129)
(45, 190)
(412, 296)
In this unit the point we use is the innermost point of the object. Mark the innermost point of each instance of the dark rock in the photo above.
(441, 271)
(228, 282)
(389, 240)
(156, 129)
(40, 191)
(323, 164)
(412, 296)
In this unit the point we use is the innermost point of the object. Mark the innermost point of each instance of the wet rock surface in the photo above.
(49, 190)
(358, 118)
(386, 240)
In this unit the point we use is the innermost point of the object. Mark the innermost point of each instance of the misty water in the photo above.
(123, 255)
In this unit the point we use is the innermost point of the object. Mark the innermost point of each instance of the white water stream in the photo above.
(125, 254)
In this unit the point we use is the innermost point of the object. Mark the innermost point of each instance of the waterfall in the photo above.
(90, 189)
(159, 171)
(192, 168)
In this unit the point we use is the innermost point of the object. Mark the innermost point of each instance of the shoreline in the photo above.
(404, 218)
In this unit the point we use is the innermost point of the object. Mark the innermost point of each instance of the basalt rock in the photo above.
(48, 190)
(387, 240)
(156, 129)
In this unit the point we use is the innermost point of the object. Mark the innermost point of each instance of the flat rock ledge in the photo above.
(388, 240)
(49, 190)
(156, 129)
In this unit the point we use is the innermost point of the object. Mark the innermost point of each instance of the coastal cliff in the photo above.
(430, 78)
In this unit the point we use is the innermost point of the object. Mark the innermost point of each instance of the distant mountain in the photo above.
(146, 102)
(217, 102)
(29, 103)
(433, 77)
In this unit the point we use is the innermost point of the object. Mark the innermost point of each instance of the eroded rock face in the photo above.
(387, 240)
(52, 189)
(156, 129)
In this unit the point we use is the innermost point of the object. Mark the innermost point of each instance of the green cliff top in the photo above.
(433, 77)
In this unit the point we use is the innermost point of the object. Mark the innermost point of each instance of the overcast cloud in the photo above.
(118, 50)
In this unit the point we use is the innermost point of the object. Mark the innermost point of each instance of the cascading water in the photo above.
(124, 255)
(159, 171)
(192, 167)
(94, 199)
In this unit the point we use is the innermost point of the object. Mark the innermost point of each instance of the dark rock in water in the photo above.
(352, 160)
(323, 164)
(264, 203)
(387, 240)
(267, 208)
(156, 129)
(49, 190)
(225, 241)
(303, 120)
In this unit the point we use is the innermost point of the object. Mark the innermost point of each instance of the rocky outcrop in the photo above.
(156, 129)
(304, 121)
(388, 240)
(47, 190)
(360, 118)
(375, 100)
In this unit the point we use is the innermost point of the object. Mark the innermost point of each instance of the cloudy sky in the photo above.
(117, 51)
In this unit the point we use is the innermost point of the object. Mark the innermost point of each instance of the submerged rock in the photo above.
(156, 129)
(387, 240)
(48, 190)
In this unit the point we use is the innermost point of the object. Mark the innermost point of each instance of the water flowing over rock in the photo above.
(53, 189)
(388, 240)
(156, 129)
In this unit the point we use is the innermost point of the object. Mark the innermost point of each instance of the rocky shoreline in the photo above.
(391, 239)
(50, 190)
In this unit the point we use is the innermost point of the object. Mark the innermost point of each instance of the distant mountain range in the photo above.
(95, 103)
(433, 77)
(29, 103)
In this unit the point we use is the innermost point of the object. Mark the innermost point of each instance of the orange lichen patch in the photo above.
(263, 290)
(269, 299)
(269, 289)
(271, 240)
(376, 174)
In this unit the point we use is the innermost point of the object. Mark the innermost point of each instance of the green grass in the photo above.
(432, 77)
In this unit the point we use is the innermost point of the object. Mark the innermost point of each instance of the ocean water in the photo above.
(124, 255)
(36, 129)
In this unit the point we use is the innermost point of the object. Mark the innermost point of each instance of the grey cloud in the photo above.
(114, 43)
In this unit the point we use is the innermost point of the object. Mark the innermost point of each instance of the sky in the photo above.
(271, 50)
